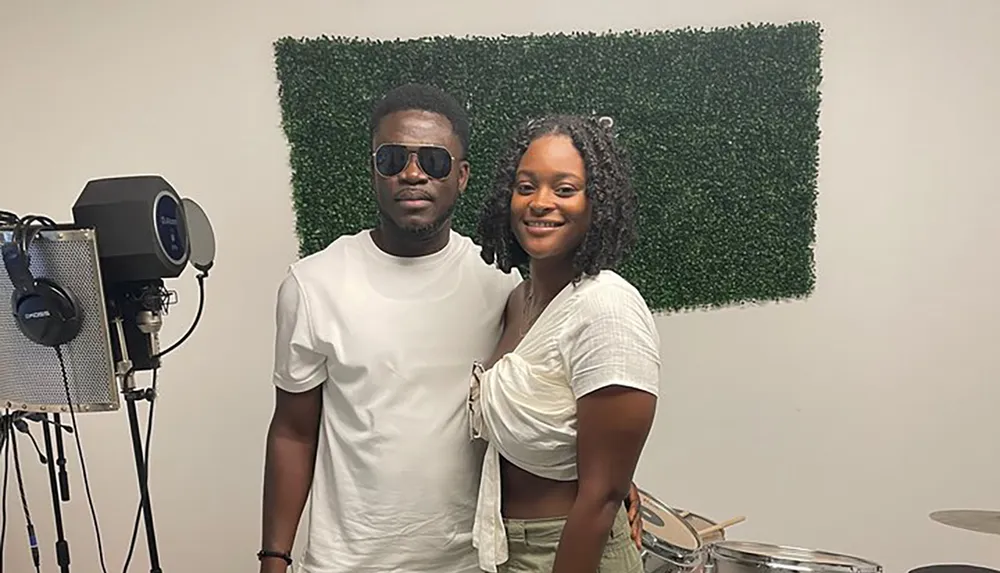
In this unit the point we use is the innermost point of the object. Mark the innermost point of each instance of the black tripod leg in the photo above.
(62, 546)
(140, 468)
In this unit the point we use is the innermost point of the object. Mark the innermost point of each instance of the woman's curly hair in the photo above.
(609, 189)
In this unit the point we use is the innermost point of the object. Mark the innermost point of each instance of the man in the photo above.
(393, 319)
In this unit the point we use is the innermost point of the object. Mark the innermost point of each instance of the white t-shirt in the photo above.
(396, 475)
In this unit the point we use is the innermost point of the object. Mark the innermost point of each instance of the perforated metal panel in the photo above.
(30, 375)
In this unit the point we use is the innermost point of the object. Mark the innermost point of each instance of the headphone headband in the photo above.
(16, 263)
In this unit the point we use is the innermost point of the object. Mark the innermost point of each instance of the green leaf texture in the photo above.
(721, 126)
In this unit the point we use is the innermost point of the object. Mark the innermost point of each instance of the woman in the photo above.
(567, 400)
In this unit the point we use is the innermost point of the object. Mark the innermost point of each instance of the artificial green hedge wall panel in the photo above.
(721, 126)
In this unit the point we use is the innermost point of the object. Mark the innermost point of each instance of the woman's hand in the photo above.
(634, 507)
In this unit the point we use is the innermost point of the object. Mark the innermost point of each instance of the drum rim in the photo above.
(676, 555)
(730, 550)
(700, 516)
(684, 553)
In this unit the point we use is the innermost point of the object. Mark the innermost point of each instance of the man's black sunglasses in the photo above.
(392, 158)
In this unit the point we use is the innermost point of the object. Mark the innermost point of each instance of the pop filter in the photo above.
(201, 237)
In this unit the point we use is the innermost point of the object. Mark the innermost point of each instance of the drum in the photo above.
(669, 543)
(751, 557)
(700, 523)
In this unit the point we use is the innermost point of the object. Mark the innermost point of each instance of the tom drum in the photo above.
(752, 557)
(669, 543)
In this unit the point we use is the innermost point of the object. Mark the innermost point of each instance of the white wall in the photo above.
(837, 423)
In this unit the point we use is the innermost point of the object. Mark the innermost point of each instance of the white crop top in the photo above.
(596, 333)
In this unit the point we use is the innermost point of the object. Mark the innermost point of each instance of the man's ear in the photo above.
(463, 175)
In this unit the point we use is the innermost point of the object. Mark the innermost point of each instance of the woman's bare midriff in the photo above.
(527, 496)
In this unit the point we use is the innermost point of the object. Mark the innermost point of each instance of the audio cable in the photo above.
(22, 427)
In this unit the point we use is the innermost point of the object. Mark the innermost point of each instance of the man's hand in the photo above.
(633, 505)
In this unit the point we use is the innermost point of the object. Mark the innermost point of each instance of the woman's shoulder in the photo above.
(606, 292)
(609, 327)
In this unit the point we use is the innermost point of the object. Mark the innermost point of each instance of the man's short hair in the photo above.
(422, 97)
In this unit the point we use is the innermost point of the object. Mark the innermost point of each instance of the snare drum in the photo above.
(701, 523)
(669, 543)
(751, 557)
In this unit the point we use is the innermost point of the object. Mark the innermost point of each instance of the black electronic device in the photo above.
(141, 227)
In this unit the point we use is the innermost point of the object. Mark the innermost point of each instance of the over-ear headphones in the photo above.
(46, 313)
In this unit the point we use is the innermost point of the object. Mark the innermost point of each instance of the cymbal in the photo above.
(978, 520)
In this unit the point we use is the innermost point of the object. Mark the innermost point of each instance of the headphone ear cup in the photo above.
(49, 316)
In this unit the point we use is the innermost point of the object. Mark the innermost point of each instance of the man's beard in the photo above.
(417, 232)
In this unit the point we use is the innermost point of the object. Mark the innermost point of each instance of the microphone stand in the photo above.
(62, 546)
(61, 459)
(141, 307)
(131, 396)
